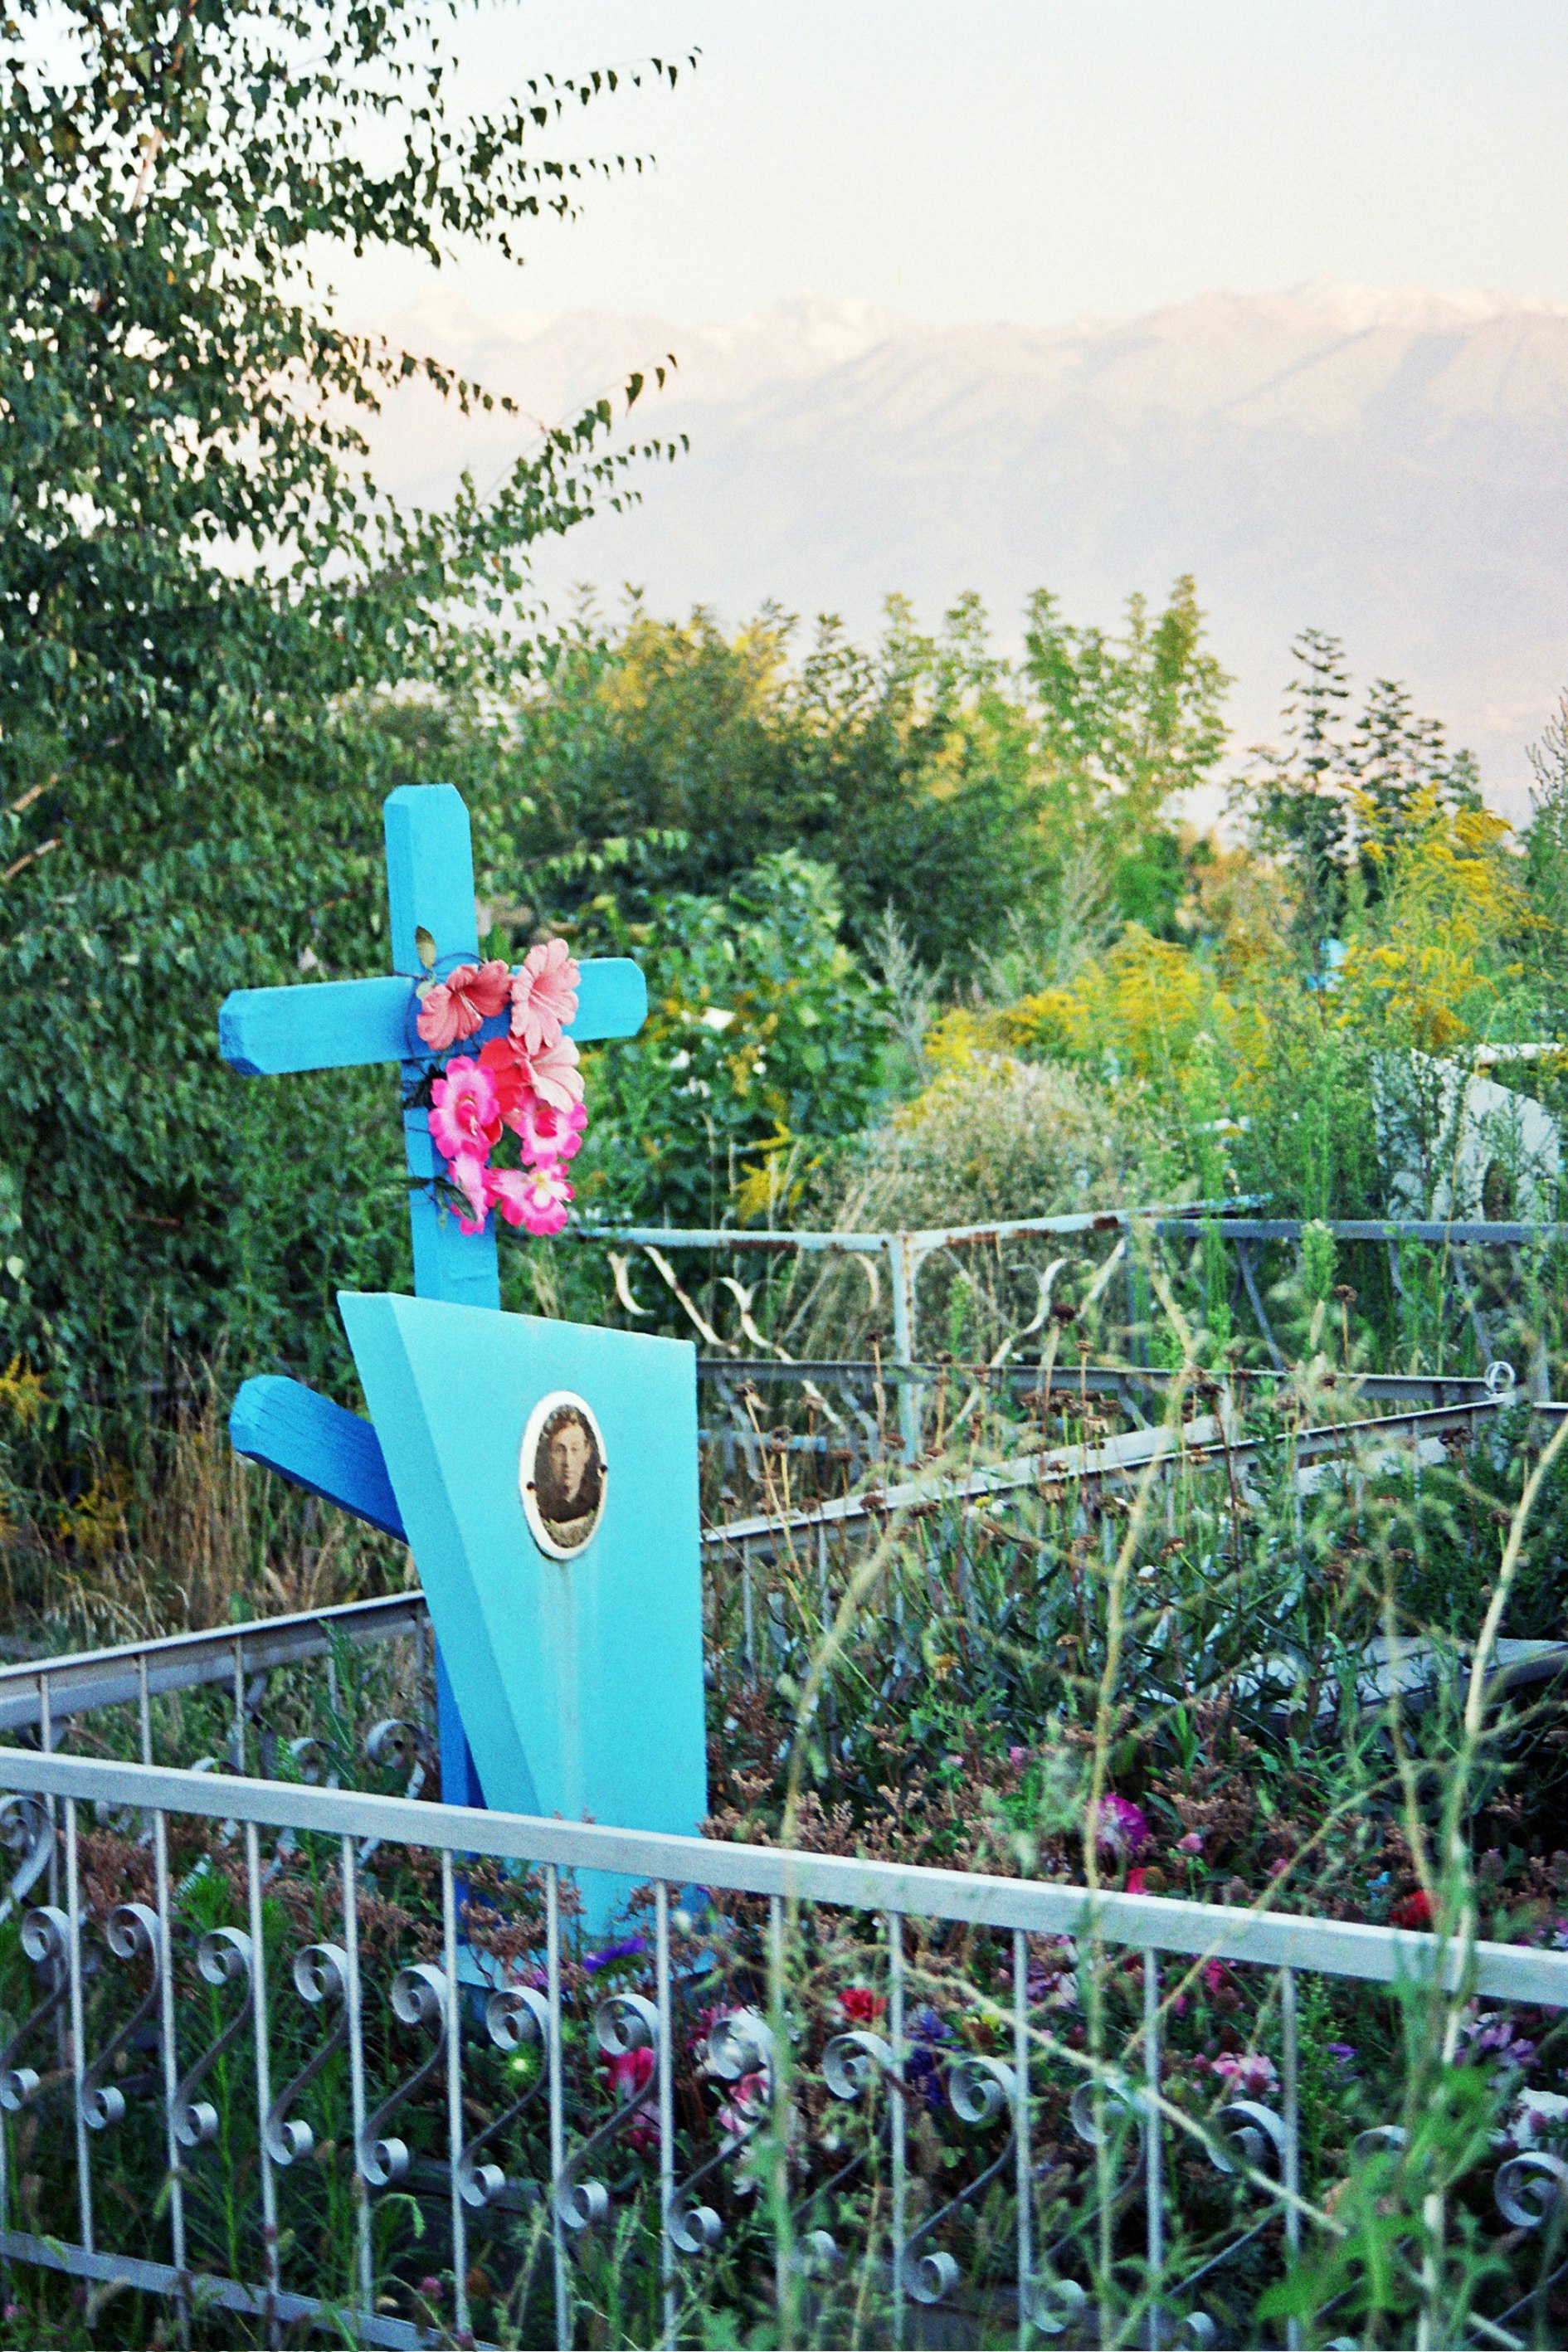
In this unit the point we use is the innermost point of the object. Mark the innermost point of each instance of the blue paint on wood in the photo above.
(579, 1682)
(612, 999)
(429, 875)
(430, 886)
(313, 1443)
(333, 1024)
(452, 1741)
(339, 1024)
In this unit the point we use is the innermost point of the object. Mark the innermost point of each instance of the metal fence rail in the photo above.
(42, 1695)
(1114, 1461)
(905, 1252)
(748, 2100)
(50, 1691)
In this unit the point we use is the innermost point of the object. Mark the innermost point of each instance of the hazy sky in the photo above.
(1029, 160)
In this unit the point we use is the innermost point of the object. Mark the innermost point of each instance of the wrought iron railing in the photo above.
(1131, 1231)
(308, 2054)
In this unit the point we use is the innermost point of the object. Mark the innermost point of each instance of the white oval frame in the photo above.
(532, 1432)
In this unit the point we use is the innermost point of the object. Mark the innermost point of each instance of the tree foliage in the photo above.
(202, 595)
(1335, 802)
(938, 779)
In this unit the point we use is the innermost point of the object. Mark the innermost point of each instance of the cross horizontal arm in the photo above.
(337, 1024)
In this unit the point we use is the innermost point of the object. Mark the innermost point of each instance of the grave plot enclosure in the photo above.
(859, 2102)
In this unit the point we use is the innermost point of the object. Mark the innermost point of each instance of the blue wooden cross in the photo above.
(335, 1026)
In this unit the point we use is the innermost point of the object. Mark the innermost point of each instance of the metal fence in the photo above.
(1225, 1224)
(311, 2055)
(774, 1577)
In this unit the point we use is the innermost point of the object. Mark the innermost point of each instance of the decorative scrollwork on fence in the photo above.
(978, 2090)
(1057, 2303)
(1107, 2113)
(740, 2050)
(45, 1940)
(1531, 2187)
(418, 1999)
(1111, 2114)
(515, 2018)
(321, 1978)
(134, 1933)
(1249, 2134)
(1245, 2137)
(222, 1958)
(625, 2025)
(28, 1833)
(851, 2063)
(394, 1746)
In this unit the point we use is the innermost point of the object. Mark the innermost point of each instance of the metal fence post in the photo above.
(903, 1268)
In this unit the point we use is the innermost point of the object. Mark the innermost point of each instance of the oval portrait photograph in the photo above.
(562, 1472)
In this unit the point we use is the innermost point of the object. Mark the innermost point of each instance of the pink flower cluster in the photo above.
(527, 1081)
(1247, 2074)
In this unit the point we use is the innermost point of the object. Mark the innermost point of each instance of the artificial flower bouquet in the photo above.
(526, 1081)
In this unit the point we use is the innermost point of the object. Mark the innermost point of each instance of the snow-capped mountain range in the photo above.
(1389, 466)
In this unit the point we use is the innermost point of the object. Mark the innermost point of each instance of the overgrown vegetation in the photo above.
(935, 935)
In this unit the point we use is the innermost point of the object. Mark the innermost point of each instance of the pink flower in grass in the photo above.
(555, 1076)
(1121, 1826)
(472, 1180)
(535, 1198)
(465, 1111)
(746, 2102)
(1249, 2076)
(543, 996)
(455, 1007)
(1192, 1843)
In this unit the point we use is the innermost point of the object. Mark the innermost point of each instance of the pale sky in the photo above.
(1029, 160)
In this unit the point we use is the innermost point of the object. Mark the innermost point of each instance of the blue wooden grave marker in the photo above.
(546, 1473)
(338, 1024)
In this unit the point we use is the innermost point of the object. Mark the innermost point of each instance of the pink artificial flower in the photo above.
(465, 1111)
(1252, 2075)
(1214, 1974)
(547, 1134)
(629, 2072)
(555, 1076)
(532, 1197)
(455, 1007)
(1192, 1843)
(501, 1058)
(471, 1178)
(746, 2102)
(543, 996)
(1135, 1884)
